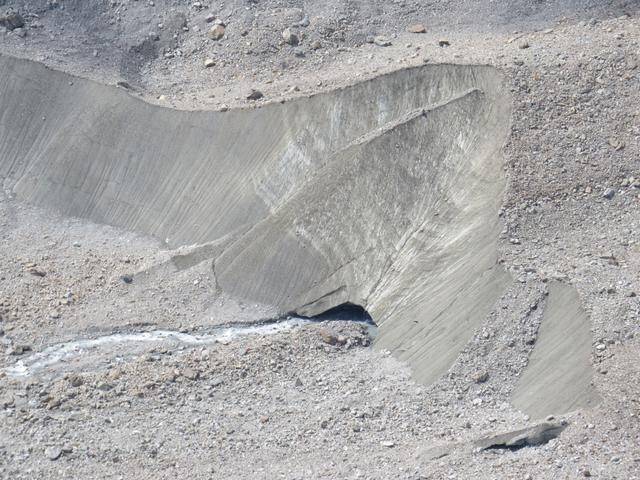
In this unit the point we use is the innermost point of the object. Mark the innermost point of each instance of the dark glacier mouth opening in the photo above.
(349, 312)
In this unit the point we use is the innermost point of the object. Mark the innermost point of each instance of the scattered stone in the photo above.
(254, 94)
(316, 45)
(381, 41)
(209, 62)
(12, 21)
(36, 272)
(216, 382)
(19, 349)
(523, 45)
(290, 37)
(328, 337)
(210, 18)
(298, 382)
(127, 279)
(20, 32)
(76, 380)
(616, 143)
(480, 377)
(444, 43)
(304, 22)
(53, 453)
(216, 32)
(54, 314)
(190, 374)
(264, 419)
(609, 193)
(387, 443)
(417, 28)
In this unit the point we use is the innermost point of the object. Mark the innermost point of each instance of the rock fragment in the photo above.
(76, 381)
(19, 349)
(480, 377)
(36, 272)
(12, 21)
(305, 22)
(290, 37)
(209, 62)
(190, 374)
(328, 338)
(216, 32)
(381, 41)
(417, 28)
(254, 94)
(53, 453)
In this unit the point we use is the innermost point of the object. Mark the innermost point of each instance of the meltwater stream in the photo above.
(64, 352)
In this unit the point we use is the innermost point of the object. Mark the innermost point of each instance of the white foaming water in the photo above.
(68, 350)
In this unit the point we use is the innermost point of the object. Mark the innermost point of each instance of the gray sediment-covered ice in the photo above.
(384, 194)
(559, 375)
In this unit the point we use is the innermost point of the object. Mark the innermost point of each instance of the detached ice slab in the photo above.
(559, 374)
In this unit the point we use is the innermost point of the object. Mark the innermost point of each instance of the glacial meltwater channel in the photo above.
(67, 351)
